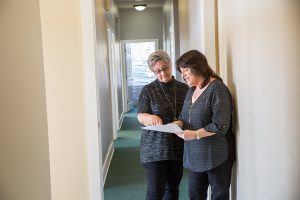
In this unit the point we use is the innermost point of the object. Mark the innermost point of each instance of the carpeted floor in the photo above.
(125, 179)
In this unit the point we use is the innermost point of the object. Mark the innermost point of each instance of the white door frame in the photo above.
(92, 105)
(113, 72)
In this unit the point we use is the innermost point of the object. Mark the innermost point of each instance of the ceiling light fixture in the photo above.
(140, 7)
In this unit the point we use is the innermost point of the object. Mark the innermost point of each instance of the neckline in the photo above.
(174, 109)
(167, 83)
(194, 88)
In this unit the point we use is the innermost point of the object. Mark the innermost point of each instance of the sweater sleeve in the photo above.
(221, 104)
(187, 95)
(144, 102)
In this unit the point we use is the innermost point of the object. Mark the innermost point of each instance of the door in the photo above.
(137, 72)
(113, 79)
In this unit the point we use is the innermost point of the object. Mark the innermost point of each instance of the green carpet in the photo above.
(125, 179)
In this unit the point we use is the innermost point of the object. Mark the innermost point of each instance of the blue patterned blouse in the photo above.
(213, 112)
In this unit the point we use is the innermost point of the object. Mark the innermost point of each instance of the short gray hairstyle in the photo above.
(157, 56)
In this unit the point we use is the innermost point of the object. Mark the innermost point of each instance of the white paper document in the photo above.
(169, 128)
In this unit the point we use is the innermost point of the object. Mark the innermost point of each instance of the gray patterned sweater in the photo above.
(157, 146)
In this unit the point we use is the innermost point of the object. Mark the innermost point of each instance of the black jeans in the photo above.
(163, 179)
(218, 178)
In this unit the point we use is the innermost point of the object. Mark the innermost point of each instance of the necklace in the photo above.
(173, 108)
(196, 94)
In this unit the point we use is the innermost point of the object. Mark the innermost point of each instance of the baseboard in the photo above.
(107, 161)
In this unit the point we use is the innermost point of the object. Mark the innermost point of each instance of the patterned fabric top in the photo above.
(156, 146)
(211, 111)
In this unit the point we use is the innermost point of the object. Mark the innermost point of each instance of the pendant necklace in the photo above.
(173, 108)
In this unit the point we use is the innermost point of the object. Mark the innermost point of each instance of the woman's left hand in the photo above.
(187, 135)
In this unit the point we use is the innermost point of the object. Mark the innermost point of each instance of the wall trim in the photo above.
(121, 120)
(92, 106)
(107, 161)
(216, 10)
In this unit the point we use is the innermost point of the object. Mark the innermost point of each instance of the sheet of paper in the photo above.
(168, 128)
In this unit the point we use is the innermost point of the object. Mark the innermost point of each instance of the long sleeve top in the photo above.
(213, 112)
(157, 146)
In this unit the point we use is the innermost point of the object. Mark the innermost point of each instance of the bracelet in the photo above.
(198, 137)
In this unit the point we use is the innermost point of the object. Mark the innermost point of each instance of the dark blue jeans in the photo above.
(218, 178)
(163, 179)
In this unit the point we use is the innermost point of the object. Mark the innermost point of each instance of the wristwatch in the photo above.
(198, 137)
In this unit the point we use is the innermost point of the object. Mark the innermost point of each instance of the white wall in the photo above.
(118, 61)
(50, 142)
(259, 61)
(210, 33)
(71, 99)
(63, 64)
(24, 152)
(197, 28)
(169, 31)
(147, 24)
(168, 22)
(105, 125)
(258, 53)
(190, 25)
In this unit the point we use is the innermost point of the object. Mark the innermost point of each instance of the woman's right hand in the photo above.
(187, 135)
(153, 120)
(148, 119)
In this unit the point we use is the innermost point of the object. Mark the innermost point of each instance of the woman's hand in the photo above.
(178, 122)
(148, 119)
(154, 120)
(187, 135)
(190, 134)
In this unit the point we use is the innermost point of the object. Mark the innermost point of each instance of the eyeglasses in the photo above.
(164, 69)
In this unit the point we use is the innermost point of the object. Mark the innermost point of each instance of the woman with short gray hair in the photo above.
(156, 56)
(161, 153)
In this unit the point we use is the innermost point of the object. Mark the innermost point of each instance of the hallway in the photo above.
(125, 176)
(125, 179)
(62, 83)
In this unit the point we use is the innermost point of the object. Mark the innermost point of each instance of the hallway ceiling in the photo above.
(130, 3)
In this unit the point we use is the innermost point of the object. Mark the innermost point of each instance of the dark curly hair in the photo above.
(198, 64)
